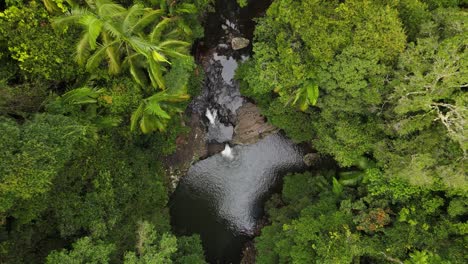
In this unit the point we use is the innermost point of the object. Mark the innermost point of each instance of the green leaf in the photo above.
(337, 187)
(312, 93)
(155, 74)
(159, 57)
(351, 178)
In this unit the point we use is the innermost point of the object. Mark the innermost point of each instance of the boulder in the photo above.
(238, 43)
(251, 126)
(310, 159)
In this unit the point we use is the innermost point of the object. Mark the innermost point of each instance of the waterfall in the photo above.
(211, 116)
(227, 152)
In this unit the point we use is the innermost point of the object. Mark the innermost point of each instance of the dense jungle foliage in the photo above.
(83, 83)
(91, 99)
(380, 86)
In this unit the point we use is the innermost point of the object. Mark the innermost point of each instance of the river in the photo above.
(222, 198)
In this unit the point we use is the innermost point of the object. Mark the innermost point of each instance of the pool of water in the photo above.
(222, 199)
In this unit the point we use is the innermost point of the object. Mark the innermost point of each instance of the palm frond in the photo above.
(154, 108)
(75, 15)
(159, 57)
(93, 26)
(106, 8)
(96, 58)
(301, 99)
(107, 121)
(131, 17)
(186, 8)
(172, 43)
(167, 97)
(113, 57)
(137, 73)
(82, 49)
(83, 95)
(184, 27)
(150, 123)
(312, 93)
(173, 34)
(175, 54)
(72, 3)
(113, 30)
(148, 18)
(141, 46)
(155, 34)
(137, 115)
(51, 6)
(155, 73)
(113, 60)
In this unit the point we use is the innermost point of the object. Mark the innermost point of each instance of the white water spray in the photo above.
(227, 152)
(211, 116)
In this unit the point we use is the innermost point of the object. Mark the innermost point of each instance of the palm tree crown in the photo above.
(143, 41)
(133, 38)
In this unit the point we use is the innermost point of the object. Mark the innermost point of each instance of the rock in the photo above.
(238, 43)
(189, 148)
(251, 125)
(310, 159)
(248, 253)
(214, 148)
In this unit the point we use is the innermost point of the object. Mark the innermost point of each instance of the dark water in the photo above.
(219, 198)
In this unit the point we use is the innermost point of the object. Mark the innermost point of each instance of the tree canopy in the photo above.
(92, 95)
(390, 110)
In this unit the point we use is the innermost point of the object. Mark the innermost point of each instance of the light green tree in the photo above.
(148, 250)
(85, 251)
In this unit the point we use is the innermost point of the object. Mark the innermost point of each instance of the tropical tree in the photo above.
(142, 40)
(133, 38)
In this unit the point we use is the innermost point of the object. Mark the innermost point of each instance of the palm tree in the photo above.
(141, 40)
(132, 38)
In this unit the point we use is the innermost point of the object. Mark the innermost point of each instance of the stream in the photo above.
(222, 197)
